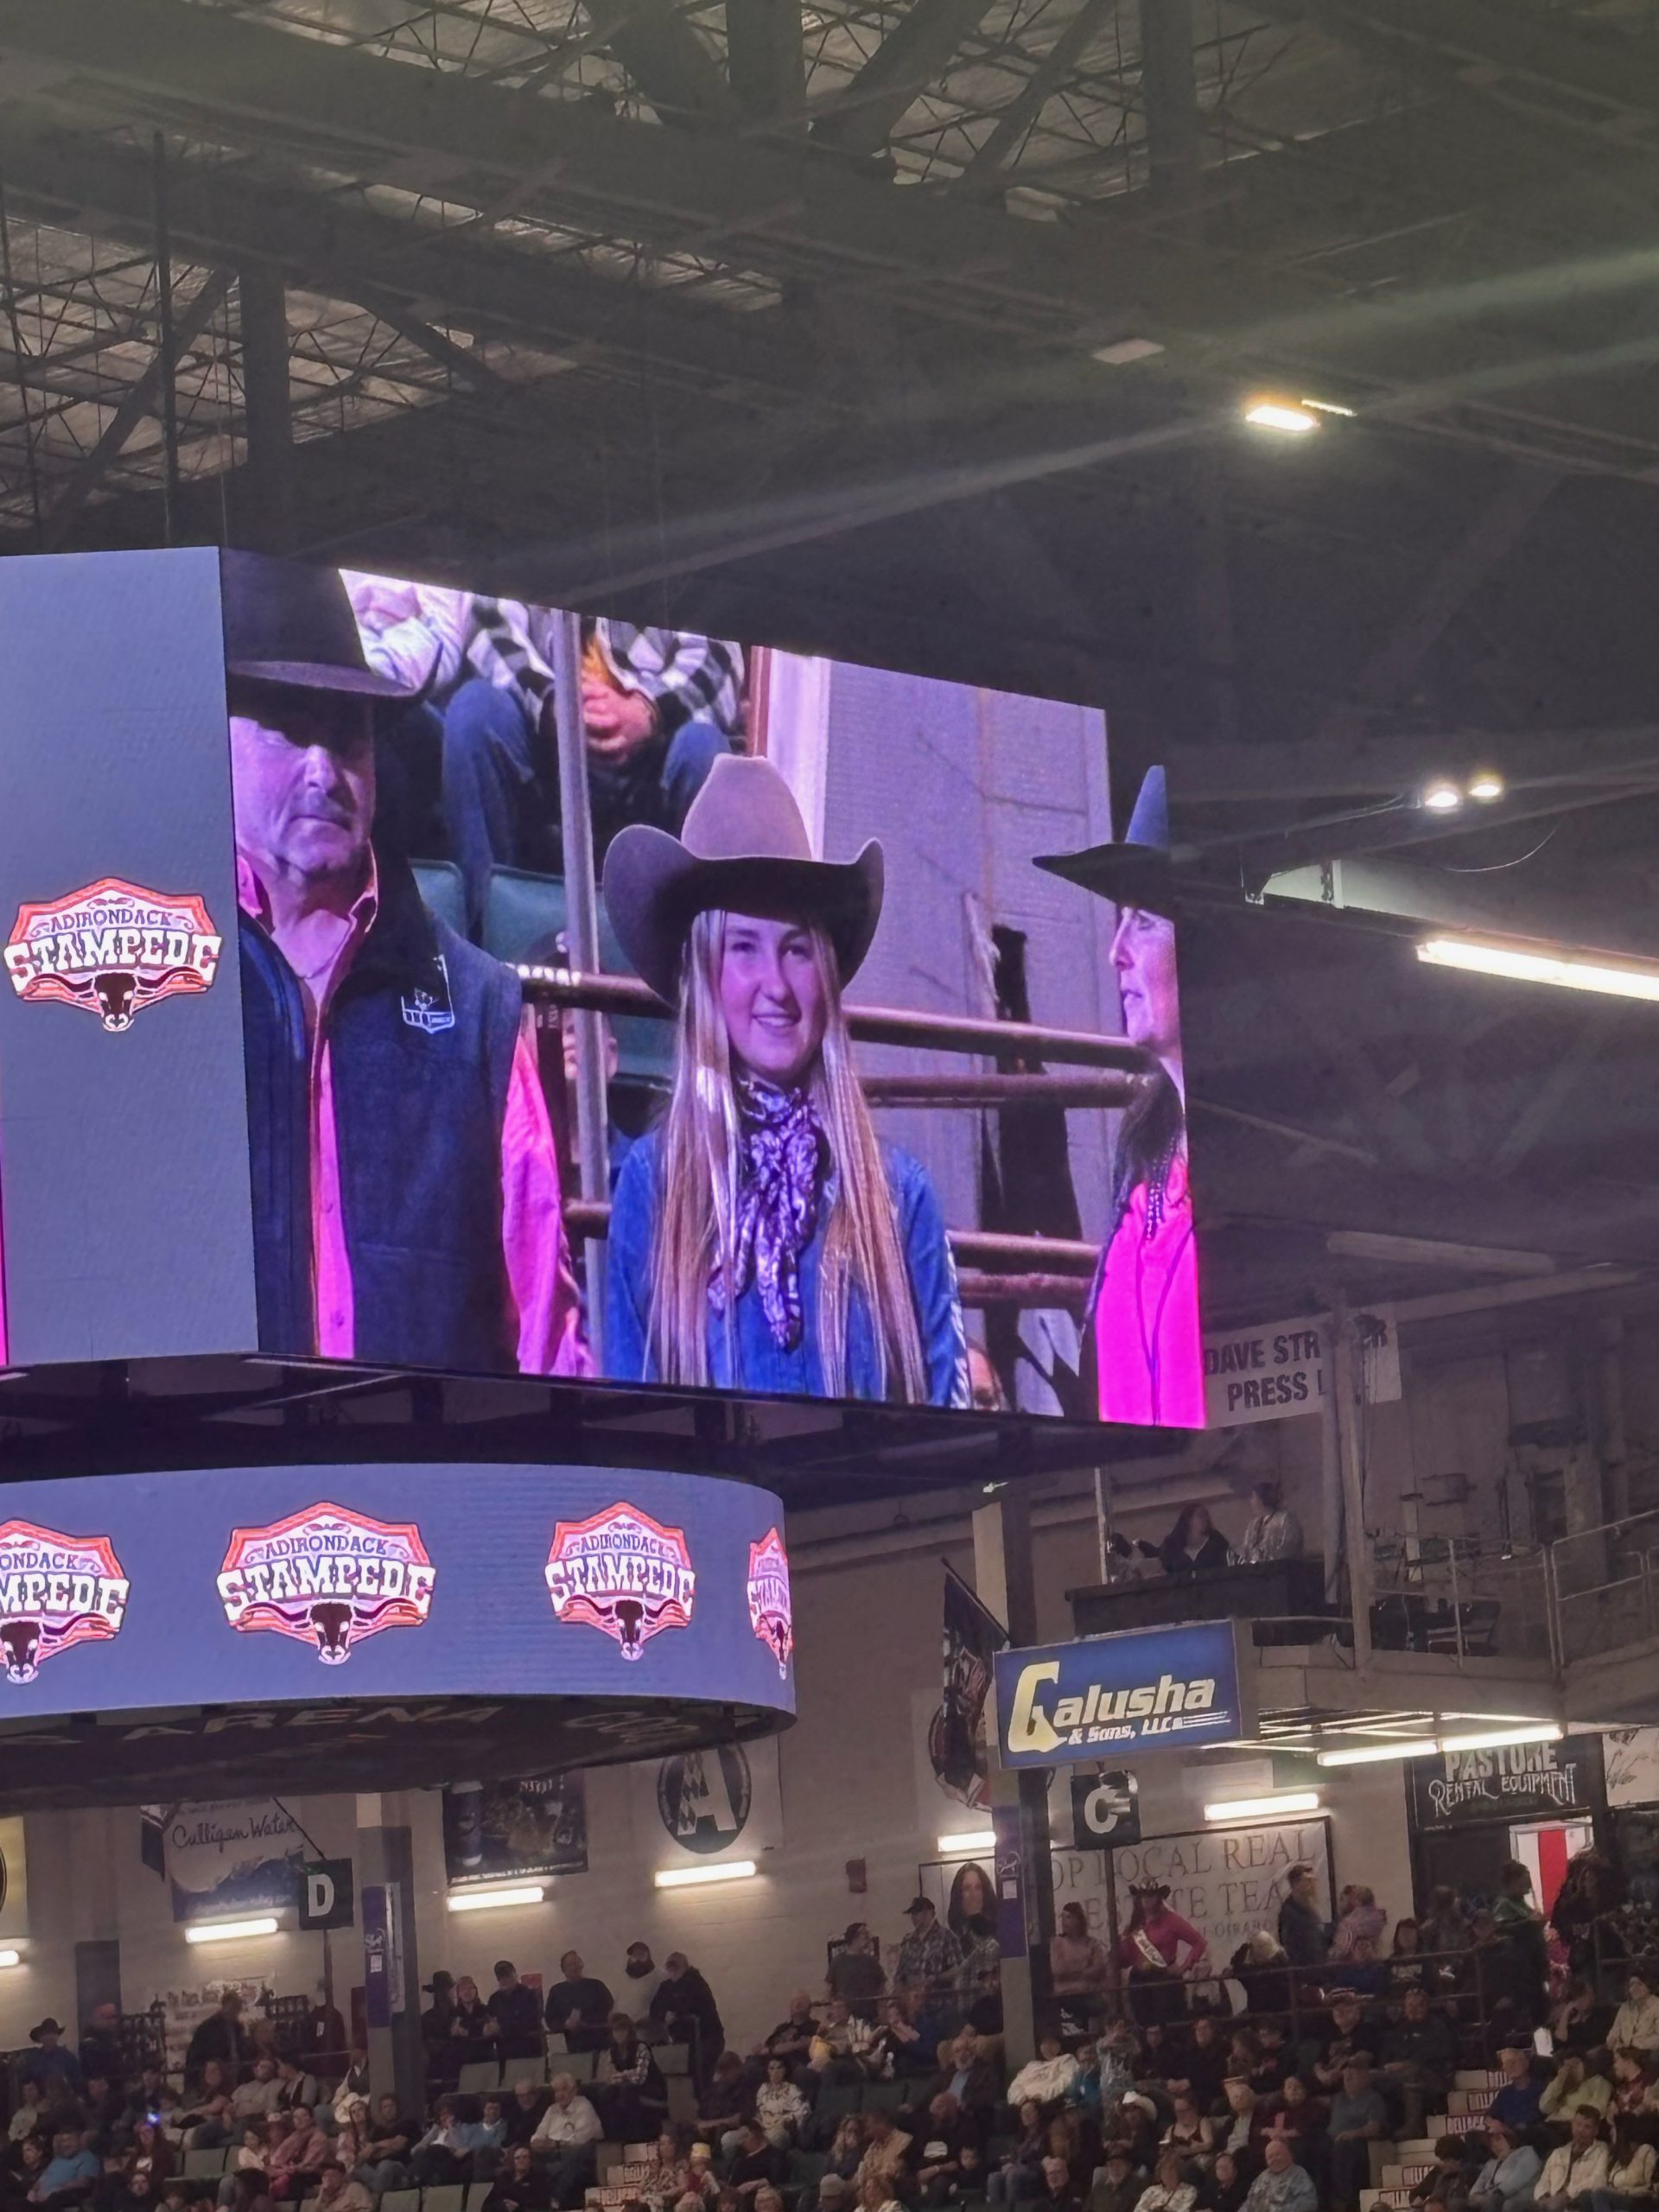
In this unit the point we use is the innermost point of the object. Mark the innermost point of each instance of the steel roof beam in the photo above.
(667, 61)
(918, 48)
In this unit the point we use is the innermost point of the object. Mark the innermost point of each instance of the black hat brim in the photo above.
(1129, 876)
(322, 676)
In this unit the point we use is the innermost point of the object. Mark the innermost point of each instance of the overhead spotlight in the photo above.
(1485, 786)
(1290, 417)
(1441, 796)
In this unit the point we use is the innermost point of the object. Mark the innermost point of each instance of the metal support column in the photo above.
(1006, 1586)
(581, 925)
(392, 1966)
(267, 507)
(1345, 1384)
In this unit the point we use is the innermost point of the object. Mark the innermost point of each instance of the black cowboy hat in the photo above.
(48, 2027)
(921, 1905)
(289, 623)
(1148, 1889)
(744, 850)
(1135, 871)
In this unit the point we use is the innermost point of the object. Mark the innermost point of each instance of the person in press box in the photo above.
(405, 1181)
(760, 1236)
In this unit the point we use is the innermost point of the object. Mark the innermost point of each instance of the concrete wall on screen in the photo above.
(963, 786)
(123, 1158)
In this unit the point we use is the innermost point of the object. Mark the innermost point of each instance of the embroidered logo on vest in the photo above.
(623, 1573)
(114, 949)
(55, 1591)
(328, 1577)
(426, 1010)
(771, 1615)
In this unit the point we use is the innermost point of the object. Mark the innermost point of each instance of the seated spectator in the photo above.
(24, 2164)
(1190, 2134)
(671, 2176)
(841, 2045)
(1418, 2060)
(1082, 2092)
(1578, 2020)
(1304, 2120)
(628, 2089)
(1408, 1967)
(1228, 2185)
(968, 2075)
(780, 2109)
(756, 2164)
(1517, 2103)
(1199, 2063)
(846, 2151)
(1577, 2081)
(100, 2047)
(1576, 2167)
(942, 2140)
(726, 2103)
(1352, 2037)
(887, 2148)
(1363, 1971)
(1281, 2185)
(898, 2050)
(1242, 2125)
(1633, 2083)
(566, 2135)
(221, 2036)
(1506, 2181)
(25, 2119)
(1358, 2119)
(389, 2140)
(833, 2195)
(71, 2173)
(489, 2137)
(1045, 2078)
(1118, 2181)
(1021, 2174)
(1059, 2192)
(1273, 2060)
(523, 2111)
(444, 2153)
(856, 1975)
(579, 2006)
(1635, 2023)
(259, 2096)
(335, 2193)
(298, 2158)
(1630, 2169)
(103, 2109)
(1446, 2183)
(296, 2086)
(521, 2185)
(1170, 2188)
(250, 2156)
(1446, 1926)
(1194, 1545)
(791, 2039)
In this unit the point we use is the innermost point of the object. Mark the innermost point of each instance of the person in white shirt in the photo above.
(1630, 2169)
(1272, 1532)
(1635, 2023)
(567, 2130)
(1577, 2167)
(780, 2110)
(1169, 2189)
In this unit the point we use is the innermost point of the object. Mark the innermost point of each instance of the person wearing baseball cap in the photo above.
(406, 1189)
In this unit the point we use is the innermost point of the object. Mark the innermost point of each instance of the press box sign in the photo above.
(1280, 1368)
(1154, 1689)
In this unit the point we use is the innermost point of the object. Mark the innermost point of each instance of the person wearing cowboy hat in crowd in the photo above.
(51, 2063)
(1150, 1953)
(1142, 1335)
(406, 1183)
(760, 1237)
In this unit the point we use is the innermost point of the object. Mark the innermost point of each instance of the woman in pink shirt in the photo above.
(1142, 1337)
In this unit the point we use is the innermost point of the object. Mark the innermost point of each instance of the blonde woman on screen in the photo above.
(762, 1239)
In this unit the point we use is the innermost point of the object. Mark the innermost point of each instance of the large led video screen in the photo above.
(885, 1058)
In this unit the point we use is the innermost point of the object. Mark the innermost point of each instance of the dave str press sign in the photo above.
(1156, 1689)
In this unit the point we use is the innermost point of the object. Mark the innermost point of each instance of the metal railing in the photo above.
(1461, 1596)
(1604, 1587)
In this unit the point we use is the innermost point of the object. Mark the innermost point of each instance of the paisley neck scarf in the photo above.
(781, 1153)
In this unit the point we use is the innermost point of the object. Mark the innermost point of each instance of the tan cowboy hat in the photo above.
(744, 850)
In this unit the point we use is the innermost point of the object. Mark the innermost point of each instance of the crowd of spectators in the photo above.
(879, 2093)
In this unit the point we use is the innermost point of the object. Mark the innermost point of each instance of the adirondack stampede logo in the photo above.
(621, 1573)
(55, 1591)
(114, 949)
(771, 1615)
(328, 1577)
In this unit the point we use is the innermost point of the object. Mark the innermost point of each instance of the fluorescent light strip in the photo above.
(1570, 971)
(691, 1877)
(488, 1900)
(954, 1847)
(1263, 1808)
(230, 1931)
(1538, 1731)
(11, 1958)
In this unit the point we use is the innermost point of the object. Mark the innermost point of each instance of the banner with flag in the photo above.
(959, 1738)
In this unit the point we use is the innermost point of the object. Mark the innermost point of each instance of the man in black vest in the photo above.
(406, 1180)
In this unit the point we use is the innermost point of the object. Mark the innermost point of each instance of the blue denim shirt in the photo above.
(746, 1357)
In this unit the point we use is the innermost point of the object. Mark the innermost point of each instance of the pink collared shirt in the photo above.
(540, 1279)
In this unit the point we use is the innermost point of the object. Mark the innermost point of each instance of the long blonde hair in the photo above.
(697, 1190)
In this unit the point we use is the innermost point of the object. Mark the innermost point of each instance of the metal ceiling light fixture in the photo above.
(1567, 969)
(1291, 419)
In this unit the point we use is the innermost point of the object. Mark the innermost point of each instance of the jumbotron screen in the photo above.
(878, 1096)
